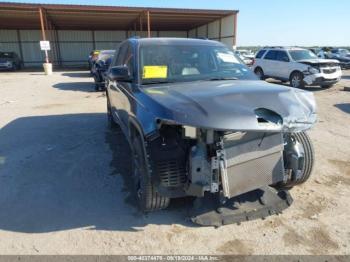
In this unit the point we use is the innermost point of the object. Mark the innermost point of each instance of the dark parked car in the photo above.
(10, 61)
(100, 67)
(344, 62)
(342, 55)
(340, 52)
(201, 124)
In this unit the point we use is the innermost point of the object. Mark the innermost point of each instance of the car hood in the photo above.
(234, 105)
(318, 61)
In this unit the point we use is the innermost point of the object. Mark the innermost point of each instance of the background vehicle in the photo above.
(342, 55)
(100, 67)
(339, 52)
(10, 61)
(246, 56)
(199, 122)
(297, 65)
(246, 53)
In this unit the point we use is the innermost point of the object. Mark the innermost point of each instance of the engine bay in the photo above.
(189, 161)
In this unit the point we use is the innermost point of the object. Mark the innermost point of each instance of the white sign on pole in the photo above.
(44, 45)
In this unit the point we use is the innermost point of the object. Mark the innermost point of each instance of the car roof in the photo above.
(286, 48)
(173, 40)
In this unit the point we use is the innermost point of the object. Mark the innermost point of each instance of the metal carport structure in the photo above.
(75, 30)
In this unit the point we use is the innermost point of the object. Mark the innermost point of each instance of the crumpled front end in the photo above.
(229, 144)
(302, 113)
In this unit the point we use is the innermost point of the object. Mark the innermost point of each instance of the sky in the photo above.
(264, 22)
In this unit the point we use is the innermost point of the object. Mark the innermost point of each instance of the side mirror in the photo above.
(119, 73)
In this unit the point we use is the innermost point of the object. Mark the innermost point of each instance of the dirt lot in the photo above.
(64, 182)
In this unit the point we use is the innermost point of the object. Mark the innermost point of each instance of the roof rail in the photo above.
(274, 47)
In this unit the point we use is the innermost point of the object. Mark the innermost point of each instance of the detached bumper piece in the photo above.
(257, 204)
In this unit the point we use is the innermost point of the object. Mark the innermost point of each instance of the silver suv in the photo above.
(297, 65)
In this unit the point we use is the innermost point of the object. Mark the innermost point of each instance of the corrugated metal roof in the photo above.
(25, 16)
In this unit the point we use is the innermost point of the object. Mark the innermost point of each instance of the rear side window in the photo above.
(282, 56)
(260, 54)
(271, 55)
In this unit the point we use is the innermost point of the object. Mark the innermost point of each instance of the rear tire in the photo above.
(297, 80)
(309, 159)
(148, 197)
(259, 73)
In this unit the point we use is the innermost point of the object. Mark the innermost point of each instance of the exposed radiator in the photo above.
(253, 160)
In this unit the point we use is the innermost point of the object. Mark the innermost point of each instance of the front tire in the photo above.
(148, 197)
(308, 163)
(297, 80)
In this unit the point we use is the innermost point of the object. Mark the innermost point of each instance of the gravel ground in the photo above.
(64, 182)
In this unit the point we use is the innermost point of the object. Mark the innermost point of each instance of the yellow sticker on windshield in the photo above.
(155, 72)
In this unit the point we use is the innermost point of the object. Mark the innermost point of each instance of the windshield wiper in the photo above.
(221, 78)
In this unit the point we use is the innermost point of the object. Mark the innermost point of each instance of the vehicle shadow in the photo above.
(306, 88)
(77, 74)
(343, 107)
(76, 86)
(71, 171)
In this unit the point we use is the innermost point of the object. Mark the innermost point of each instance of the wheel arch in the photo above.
(258, 67)
(135, 129)
(293, 72)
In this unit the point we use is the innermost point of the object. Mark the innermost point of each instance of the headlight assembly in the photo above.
(313, 70)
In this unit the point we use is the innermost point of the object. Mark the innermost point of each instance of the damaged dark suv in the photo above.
(201, 124)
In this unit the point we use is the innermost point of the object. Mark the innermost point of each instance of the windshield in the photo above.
(298, 55)
(6, 55)
(178, 63)
(105, 56)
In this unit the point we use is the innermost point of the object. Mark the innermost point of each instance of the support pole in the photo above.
(20, 45)
(148, 24)
(48, 35)
(235, 30)
(93, 40)
(43, 32)
(220, 21)
(58, 47)
(141, 29)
